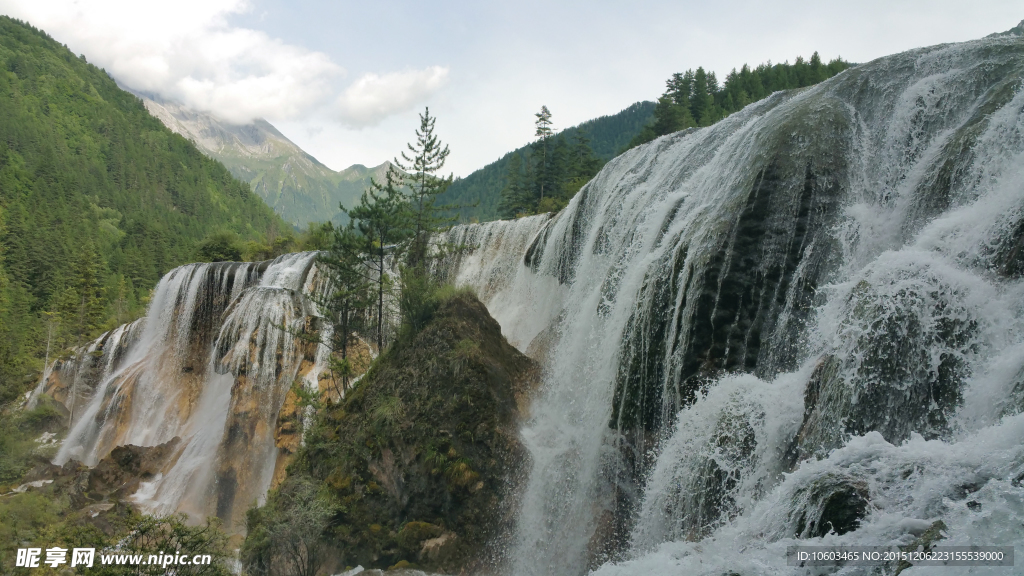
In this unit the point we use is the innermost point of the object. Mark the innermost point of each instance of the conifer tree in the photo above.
(581, 167)
(515, 196)
(817, 69)
(543, 134)
(425, 159)
(679, 87)
(554, 175)
(344, 304)
(699, 99)
(695, 98)
(584, 163)
(670, 117)
(383, 221)
(544, 129)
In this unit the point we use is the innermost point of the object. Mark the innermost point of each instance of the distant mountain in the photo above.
(608, 136)
(293, 183)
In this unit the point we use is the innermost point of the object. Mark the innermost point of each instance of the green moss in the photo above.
(48, 416)
(411, 537)
(48, 517)
(19, 430)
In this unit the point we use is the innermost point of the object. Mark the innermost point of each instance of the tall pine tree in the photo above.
(423, 163)
(516, 198)
(541, 148)
(344, 264)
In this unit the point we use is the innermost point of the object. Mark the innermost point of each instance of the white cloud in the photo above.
(187, 51)
(374, 97)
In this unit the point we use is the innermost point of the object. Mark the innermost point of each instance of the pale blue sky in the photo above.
(344, 80)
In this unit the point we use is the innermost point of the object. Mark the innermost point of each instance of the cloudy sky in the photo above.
(344, 80)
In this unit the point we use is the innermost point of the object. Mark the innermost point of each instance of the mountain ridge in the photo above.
(300, 188)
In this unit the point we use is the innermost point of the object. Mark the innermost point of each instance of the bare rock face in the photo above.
(126, 466)
(113, 480)
(287, 437)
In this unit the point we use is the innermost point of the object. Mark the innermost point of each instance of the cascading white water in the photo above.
(816, 302)
(211, 363)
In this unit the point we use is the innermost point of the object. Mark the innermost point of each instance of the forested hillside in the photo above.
(479, 193)
(97, 200)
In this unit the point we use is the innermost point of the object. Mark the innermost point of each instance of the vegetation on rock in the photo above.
(384, 254)
(419, 462)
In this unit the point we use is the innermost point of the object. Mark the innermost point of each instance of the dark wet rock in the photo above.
(101, 494)
(126, 467)
(964, 490)
(903, 372)
(832, 503)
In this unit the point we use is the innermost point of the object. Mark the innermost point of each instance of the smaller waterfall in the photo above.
(211, 363)
(489, 257)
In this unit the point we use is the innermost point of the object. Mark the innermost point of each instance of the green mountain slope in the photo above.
(293, 183)
(608, 136)
(97, 201)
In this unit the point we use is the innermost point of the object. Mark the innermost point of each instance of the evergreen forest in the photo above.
(695, 98)
(97, 201)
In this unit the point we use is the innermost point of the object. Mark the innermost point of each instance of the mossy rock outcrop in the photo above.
(422, 457)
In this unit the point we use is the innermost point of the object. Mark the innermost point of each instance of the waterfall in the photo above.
(211, 363)
(802, 324)
(815, 303)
